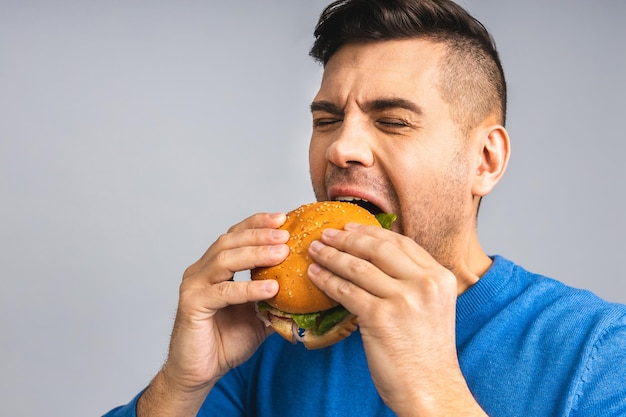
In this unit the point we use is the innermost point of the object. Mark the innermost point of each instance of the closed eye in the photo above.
(394, 126)
(323, 122)
(394, 123)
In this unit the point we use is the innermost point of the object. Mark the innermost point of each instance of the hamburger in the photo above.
(301, 312)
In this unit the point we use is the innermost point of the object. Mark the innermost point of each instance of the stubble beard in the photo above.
(442, 219)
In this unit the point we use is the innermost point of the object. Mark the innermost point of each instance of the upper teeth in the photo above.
(349, 198)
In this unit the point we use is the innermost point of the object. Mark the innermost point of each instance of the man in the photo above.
(409, 116)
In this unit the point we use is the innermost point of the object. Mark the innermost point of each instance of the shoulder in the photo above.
(549, 296)
(571, 307)
(550, 311)
(567, 343)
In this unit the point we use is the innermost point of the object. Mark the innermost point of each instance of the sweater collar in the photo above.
(485, 289)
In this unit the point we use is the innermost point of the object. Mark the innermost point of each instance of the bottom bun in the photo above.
(290, 331)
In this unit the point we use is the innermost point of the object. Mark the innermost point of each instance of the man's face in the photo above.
(382, 132)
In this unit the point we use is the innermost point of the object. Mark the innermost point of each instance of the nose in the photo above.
(352, 144)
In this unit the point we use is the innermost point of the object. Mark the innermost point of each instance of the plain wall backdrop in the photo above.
(134, 133)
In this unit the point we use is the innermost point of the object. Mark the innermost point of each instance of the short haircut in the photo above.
(472, 79)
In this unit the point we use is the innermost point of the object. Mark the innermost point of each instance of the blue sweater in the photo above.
(528, 346)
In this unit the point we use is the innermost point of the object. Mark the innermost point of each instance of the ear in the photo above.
(492, 159)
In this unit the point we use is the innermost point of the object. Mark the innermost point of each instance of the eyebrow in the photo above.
(375, 105)
(326, 106)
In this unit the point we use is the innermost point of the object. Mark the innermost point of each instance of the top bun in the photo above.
(297, 294)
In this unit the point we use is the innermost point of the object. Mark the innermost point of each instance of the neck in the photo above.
(472, 266)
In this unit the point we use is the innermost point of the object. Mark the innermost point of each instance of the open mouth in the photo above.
(371, 207)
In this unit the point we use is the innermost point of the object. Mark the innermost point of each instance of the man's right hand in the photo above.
(216, 327)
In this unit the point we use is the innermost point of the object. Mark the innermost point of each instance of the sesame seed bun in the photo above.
(297, 294)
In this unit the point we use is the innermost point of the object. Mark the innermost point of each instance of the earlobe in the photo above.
(493, 158)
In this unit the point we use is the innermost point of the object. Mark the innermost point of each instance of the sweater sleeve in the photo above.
(602, 390)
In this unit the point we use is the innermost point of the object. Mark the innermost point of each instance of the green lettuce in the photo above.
(386, 219)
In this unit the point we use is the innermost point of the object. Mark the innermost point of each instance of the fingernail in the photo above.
(277, 248)
(314, 269)
(330, 232)
(270, 286)
(351, 226)
(316, 246)
(278, 234)
(275, 216)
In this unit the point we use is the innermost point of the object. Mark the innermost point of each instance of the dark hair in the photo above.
(472, 79)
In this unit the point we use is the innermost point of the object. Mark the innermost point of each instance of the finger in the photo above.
(406, 260)
(221, 295)
(342, 270)
(408, 246)
(346, 293)
(250, 257)
(218, 296)
(220, 265)
(260, 221)
(257, 230)
(248, 238)
(241, 237)
(381, 251)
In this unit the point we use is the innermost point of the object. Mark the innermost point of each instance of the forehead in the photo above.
(364, 71)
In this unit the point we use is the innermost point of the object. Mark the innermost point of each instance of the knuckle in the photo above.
(358, 267)
(259, 235)
(189, 271)
(221, 259)
(383, 247)
(221, 290)
(223, 239)
(344, 288)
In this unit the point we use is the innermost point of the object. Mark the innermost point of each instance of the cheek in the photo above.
(317, 163)
(429, 187)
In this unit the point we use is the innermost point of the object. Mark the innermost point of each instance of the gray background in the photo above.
(133, 133)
